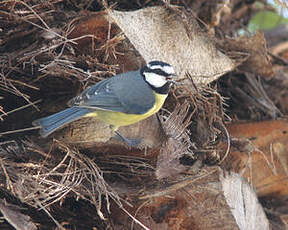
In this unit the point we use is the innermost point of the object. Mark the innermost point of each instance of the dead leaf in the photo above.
(255, 46)
(18, 220)
(159, 34)
(259, 153)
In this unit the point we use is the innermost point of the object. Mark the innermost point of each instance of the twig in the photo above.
(137, 221)
(10, 186)
(176, 186)
(19, 108)
(228, 144)
(48, 213)
(19, 130)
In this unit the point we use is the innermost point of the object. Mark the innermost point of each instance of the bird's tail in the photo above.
(55, 121)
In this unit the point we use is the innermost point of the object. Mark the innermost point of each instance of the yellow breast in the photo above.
(118, 119)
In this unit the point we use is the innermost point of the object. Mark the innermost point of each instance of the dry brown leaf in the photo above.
(159, 34)
(95, 32)
(13, 215)
(255, 46)
(259, 153)
(206, 201)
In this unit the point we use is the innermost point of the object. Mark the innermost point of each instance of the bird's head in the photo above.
(158, 75)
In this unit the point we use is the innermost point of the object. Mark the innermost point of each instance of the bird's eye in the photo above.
(160, 72)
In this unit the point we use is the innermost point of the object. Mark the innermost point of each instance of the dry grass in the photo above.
(41, 65)
(43, 183)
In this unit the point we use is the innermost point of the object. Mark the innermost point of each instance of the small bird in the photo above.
(118, 101)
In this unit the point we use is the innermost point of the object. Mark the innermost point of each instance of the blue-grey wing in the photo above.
(127, 93)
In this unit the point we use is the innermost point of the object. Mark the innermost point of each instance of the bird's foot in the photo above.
(129, 142)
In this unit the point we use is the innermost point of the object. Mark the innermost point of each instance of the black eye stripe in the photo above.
(157, 71)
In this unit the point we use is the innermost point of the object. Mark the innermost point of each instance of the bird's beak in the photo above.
(170, 79)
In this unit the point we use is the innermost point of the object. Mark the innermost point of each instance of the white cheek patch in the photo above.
(155, 80)
(167, 69)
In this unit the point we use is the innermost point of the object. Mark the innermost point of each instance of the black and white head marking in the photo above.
(158, 75)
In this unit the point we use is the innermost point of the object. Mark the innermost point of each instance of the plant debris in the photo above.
(224, 114)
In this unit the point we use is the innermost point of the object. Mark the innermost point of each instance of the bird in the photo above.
(121, 100)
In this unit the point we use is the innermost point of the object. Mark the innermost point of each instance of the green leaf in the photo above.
(266, 20)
